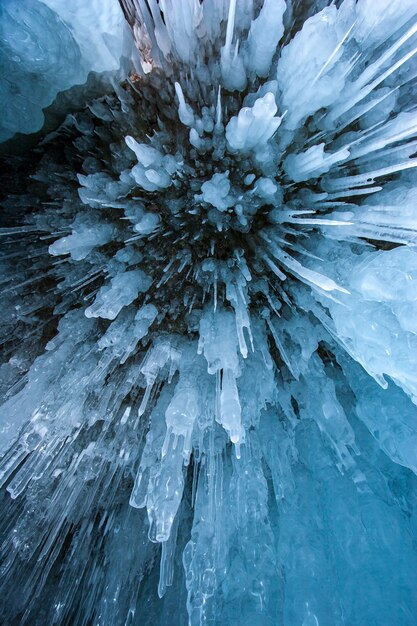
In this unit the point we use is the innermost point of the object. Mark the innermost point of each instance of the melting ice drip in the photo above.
(216, 302)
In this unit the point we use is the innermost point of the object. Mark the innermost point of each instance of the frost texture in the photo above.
(210, 318)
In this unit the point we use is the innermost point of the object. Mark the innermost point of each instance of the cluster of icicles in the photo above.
(218, 244)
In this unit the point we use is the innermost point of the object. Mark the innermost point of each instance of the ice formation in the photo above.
(48, 46)
(209, 315)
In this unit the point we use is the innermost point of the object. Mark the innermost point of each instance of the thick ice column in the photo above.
(230, 410)
(186, 404)
(253, 126)
(313, 162)
(124, 288)
(83, 239)
(231, 64)
(154, 170)
(185, 112)
(218, 341)
(264, 34)
(162, 352)
(310, 73)
(182, 19)
(205, 557)
(159, 480)
(123, 335)
(166, 485)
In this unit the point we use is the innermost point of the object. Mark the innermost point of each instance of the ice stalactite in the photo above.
(209, 319)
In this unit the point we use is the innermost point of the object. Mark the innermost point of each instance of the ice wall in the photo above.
(47, 46)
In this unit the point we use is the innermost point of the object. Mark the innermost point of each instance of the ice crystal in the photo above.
(209, 314)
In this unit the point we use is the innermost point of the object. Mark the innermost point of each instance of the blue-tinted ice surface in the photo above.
(47, 46)
(209, 315)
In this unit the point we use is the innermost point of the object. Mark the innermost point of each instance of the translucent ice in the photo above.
(47, 47)
(209, 313)
(265, 32)
(123, 290)
(253, 126)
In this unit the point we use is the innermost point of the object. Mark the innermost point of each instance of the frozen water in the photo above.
(47, 46)
(209, 314)
(254, 125)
